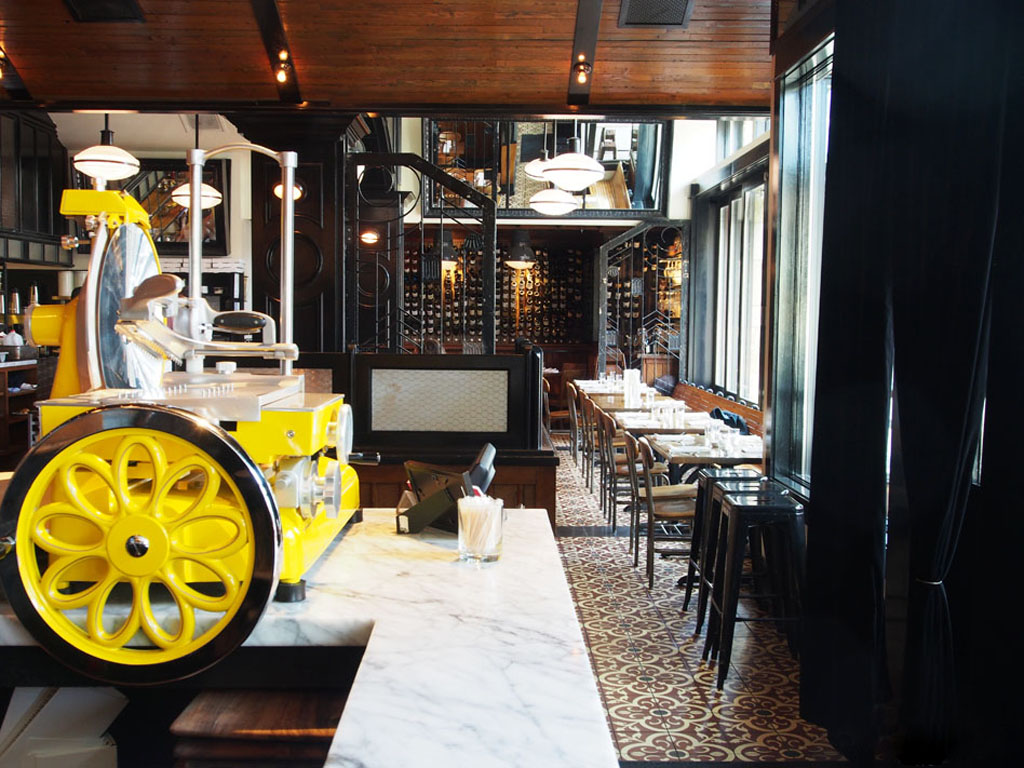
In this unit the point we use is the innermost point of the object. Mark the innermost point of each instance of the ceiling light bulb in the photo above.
(281, 75)
(282, 55)
(209, 197)
(370, 236)
(583, 69)
(554, 202)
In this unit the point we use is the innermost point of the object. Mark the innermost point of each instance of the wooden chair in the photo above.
(572, 400)
(665, 516)
(614, 467)
(588, 442)
(560, 416)
(640, 493)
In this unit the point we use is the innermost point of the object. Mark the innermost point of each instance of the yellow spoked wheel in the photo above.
(147, 544)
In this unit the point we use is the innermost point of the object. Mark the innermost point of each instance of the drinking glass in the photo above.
(480, 528)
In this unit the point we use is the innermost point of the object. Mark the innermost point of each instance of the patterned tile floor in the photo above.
(660, 697)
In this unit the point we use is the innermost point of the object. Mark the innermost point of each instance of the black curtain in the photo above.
(918, 155)
(946, 161)
(842, 653)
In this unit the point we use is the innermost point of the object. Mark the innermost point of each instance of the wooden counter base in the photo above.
(530, 486)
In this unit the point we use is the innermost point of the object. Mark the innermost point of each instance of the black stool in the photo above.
(705, 475)
(715, 489)
(740, 514)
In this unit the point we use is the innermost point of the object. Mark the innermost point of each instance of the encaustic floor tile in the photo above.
(659, 695)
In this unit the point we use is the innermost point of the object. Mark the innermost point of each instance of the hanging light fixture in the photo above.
(521, 255)
(444, 251)
(573, 171)
(104, 162)
(535, 168)
(554, 202)
(209, 197)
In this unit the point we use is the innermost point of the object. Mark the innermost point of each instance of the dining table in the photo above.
(667, 421)
(616, 402)
(721, 448)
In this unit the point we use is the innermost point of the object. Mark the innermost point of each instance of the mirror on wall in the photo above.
(153, 186)
(492, 157)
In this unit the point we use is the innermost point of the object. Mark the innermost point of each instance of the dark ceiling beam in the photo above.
(584, 49)
(279, 54)
(10, 80)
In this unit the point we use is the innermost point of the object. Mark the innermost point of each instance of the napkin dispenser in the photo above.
(433, 492)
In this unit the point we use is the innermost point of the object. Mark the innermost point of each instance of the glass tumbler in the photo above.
(480, 528)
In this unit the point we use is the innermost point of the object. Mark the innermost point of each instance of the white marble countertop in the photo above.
(465, 664)
(9, 363)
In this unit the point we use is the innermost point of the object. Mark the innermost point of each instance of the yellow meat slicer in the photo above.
(145, 533)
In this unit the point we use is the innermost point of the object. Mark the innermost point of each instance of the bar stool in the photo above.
(703, 480)
(742, 513)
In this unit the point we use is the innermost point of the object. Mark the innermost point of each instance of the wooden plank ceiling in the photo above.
(386, 54)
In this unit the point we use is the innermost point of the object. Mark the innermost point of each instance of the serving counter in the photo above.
(464, 664)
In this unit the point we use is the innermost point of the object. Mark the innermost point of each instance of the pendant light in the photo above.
(573, 171)
(444, 250)
(104, 162)
(554, 202)
(535, 168)
(521, 255)
(209, 197)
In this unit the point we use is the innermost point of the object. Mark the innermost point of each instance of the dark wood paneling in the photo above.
(527, 486)
(404, 52)
(200, 50)
(317, 222)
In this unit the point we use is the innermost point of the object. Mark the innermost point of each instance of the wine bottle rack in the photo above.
(551, 298)
(644, 297)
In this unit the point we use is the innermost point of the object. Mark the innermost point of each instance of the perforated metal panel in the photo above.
(655, 13)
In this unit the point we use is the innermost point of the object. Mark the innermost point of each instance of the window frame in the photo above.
(792, 368)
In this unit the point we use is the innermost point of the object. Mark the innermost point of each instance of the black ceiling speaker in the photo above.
(655, 13)
(105, 10)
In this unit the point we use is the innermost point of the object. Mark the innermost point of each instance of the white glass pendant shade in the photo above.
(573, 171)
(554, 202)
(106, 162)
(209, 197)
(535, 169)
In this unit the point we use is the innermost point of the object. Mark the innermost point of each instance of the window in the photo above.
(738, 281)
(803, 150)
(737, 132)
